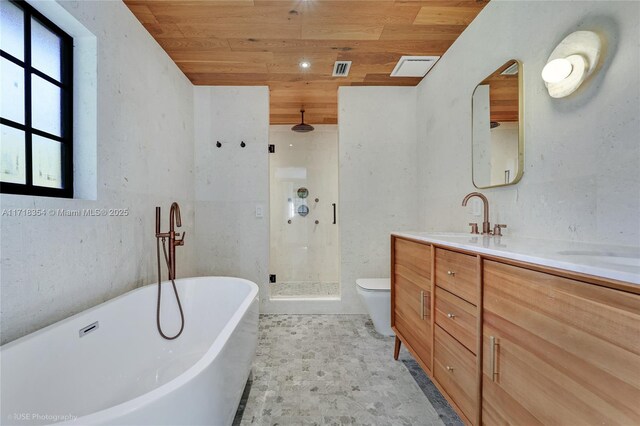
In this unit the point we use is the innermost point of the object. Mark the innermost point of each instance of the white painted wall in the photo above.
(53, 267)
(581, 182)
(378, 179)
(582, 155)
(303, 251)
(231, 181)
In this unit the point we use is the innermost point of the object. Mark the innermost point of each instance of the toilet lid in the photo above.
(374, 283)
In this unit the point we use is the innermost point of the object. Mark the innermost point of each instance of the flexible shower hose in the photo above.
(175, 290)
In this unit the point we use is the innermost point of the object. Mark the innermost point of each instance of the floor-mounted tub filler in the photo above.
(109, 365)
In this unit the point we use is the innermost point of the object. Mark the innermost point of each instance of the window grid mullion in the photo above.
(27, 98)
(67, 113)
(9, 57)
(66, 108)
(10, 123)
(47, 78)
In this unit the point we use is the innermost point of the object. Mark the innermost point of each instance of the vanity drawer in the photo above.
(413, 261)
(457, 273)
(454, 368)
(458, 317)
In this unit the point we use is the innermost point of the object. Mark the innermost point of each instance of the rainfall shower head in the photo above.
(302, 127)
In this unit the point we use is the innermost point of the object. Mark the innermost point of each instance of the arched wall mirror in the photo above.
(498, 127)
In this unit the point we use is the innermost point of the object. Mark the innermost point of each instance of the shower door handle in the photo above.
(334, 213)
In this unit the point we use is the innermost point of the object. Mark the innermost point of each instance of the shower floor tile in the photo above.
(331, 370)
(306, 289)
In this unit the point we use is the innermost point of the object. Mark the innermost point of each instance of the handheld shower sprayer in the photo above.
(170, 259)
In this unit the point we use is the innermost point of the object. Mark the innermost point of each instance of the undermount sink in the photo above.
(599, 253)
(619, 260)
(452, 234)
(628, 258)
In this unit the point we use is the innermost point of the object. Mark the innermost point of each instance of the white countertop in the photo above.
(615, 262)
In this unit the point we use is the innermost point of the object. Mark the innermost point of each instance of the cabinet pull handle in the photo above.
(428, 303)
(492, 355)
(452, 316)
(453, 274)
(449, 369)
(425, 307)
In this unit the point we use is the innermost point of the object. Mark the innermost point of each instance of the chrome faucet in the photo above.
(486, 226)
(174, 220)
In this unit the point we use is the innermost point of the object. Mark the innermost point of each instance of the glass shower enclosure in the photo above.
(303, 179)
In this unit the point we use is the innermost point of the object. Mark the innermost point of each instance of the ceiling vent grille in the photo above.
(341, 68)
(414, 66)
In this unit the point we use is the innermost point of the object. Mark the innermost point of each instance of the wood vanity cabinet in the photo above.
(456, 318)
(558, 351)
(513, 343)
(411, 298)
(440, 331)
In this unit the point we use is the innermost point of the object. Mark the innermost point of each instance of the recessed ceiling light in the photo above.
(290, 144)
(304, 64)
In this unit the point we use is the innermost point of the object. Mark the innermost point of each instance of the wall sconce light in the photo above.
(571, 62)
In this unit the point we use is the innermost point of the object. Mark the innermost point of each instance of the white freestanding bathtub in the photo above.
(122, 372)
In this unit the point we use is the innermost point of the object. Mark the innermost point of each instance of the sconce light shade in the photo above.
(556, 70)
(571, 62)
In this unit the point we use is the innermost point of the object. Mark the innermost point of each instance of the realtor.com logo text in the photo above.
(43, 417)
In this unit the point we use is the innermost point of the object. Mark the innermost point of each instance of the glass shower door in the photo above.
(303, 213)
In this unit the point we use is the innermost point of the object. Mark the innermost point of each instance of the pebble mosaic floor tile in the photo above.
(307, 290)
(333, 370)
(446, 413)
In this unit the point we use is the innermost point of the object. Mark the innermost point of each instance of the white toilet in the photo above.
(376, 296)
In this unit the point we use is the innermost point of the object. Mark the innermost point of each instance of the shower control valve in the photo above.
(180, 242)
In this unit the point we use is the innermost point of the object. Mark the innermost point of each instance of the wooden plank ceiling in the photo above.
(262, 42)
(504, 92)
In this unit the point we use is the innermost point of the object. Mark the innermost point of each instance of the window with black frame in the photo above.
(36, 69)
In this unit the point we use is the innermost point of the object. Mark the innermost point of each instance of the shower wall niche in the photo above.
(304, 252)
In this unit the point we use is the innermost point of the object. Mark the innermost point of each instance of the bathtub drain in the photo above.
(88, 329)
